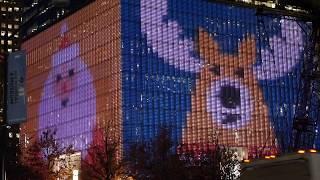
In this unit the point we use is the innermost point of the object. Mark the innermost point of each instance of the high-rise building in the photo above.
(10, 18)
(40, 14)
(213, 73)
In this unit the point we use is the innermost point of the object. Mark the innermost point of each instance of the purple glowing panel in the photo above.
(283, 54)
(68, 102)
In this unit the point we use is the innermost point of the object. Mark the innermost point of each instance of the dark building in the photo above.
(10, 19)
(9, 25)
(41, 14)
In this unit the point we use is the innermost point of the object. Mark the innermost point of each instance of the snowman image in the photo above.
(68, 100)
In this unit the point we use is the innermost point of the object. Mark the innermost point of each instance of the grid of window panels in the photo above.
(210, 72)
(74, 79)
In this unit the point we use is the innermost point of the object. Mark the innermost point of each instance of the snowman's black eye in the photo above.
(71, 72)
(215, 69)
(240, 72)
(58, 78)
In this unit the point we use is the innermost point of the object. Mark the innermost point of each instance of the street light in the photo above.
(313, 151)
(301, 151)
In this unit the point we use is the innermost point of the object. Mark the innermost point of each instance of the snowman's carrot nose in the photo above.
(65, 87)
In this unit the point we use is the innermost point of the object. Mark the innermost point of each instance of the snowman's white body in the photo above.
(75, 120)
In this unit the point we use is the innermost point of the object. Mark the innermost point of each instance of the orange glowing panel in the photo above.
(74, 78)
(231, 78)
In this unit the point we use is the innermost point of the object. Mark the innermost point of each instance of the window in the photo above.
(9, 33)
(10, 135)
(16, 9)
(3, 25)
(16, 26)
(9, 9)
(9, 26)
(3, 33)
(3, 9)
(9, 42)
(2, 41)
(10, 50)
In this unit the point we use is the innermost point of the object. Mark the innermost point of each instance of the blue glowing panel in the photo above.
(210, 72)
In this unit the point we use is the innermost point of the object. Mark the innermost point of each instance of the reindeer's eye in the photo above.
(58, 78)
(71, 72)
(239, 72)
(215, 69)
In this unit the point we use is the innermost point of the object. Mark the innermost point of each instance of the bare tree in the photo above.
(229, 165)
(47, 158)
(103, 160)
(216, 163)
(156, 159)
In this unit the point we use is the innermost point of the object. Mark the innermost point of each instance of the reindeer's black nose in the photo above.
(230, 96)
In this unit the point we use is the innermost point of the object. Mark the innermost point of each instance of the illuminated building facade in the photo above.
(38, 15)
(213, 73)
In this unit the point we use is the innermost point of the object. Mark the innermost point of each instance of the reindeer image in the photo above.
(227, 98)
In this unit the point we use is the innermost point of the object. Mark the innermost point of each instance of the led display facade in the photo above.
(74, 79)
(211, 72)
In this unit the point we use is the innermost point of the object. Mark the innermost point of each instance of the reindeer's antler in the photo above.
(165, 40)
(165, 37)
(284, 52)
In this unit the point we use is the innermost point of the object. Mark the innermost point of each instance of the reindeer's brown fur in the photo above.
(201, 127)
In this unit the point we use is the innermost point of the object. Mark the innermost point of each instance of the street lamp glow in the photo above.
(313, 150)
(75, 174)
(267, 157)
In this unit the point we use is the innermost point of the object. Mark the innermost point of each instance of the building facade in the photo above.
(38, 15)
(212, 73)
